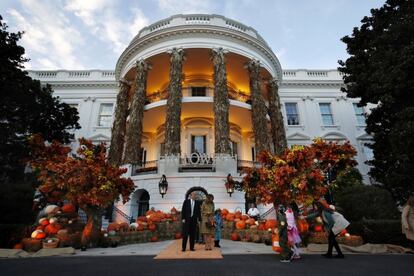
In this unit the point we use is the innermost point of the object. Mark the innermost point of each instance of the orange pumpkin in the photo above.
(177, 236)
(52, 229)
(271, 223)
(18, 246)
(230, 217)
(244, 217)
(123, 226)
(40, 227)
(241, 224)
(114, 226)
(224, 212)
(343, 232)
(238, 215)
(44, 222)
(152, 227)
(275, 243)
(140, 227)
(40, 235)
(234, 236)
(68, 208)
(318, 228)
(154, 239)
(303, 226)
(251, 222)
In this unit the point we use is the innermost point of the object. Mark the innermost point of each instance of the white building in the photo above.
(311, 102)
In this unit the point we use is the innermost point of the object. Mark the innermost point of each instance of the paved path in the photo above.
(239, 265)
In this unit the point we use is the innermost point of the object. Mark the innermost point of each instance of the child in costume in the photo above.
(218, 221)
(286, 253)
(293, 233)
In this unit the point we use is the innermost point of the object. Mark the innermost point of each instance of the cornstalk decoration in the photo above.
(259, 109)
(134, 131)
(119, 127)
(221, 103)
(276, 118)
(173, 118)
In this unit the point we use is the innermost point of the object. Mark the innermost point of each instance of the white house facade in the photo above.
(183, 52)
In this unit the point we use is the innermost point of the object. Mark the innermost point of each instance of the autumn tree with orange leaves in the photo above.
(85, 179)
(297, 175)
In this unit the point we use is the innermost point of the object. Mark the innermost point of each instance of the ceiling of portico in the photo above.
(198, 63)
(155, 117)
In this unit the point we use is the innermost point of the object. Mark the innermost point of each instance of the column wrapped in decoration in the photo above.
(259, 109)
(221, 103)
(134, 130)
(173, 118)
(276, 118)
(119, 127)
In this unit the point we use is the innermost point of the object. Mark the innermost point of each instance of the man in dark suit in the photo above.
(190, 215)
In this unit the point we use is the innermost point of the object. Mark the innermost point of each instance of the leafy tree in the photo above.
(26, 107)
(297, 174)
(380, 70)
(87, 180)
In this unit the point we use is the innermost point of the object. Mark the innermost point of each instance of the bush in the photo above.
(366, 202)
(379, 231)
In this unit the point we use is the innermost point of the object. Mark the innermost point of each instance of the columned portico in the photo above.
(259, 109)
(276, 118)
(173, 119)
(221, 103)
(133, 153)
(119, 125)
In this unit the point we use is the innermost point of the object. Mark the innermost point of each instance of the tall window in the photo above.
(198, 91)
(233, 148)
(292, 114)
(105, 115)
(198, 144)
(360, 114)
(253, 154)
(368, 152)
(326, 114)
(162, 149)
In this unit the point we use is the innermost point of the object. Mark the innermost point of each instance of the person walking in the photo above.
(207, 221)
(333, 223)
(293, 233)
(190, 215)
(218, 220)
(407, 220)
(286, 253)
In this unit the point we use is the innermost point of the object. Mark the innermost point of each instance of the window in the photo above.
(360, 114)
(198, 91)
(198, 144)
(326, 114)
(233, 148)
(105, 115)
(292, 114)
(162, 149)
(143, 156)
(368, 152)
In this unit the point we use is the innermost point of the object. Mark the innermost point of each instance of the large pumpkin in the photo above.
(224, 212)
(230, 217)
(234, 236)
(238, 215)
(154, 239)
(177, 236)
(152, 227)
(245, 217)
(241, 224)
(303, 226)
(251, 222)
(52, 229)
(142, 218)
(140, 227)
(43, 221)
(38, 235)
(124, 226)
(271, 224)
(318, 228)
(114, 226)
(18, 246)
(68, 208)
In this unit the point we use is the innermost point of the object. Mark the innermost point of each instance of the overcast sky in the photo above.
(91, 34)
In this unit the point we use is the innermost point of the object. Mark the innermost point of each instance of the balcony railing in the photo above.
(148, 167)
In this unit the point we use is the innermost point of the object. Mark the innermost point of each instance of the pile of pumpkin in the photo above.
(154, 226)
(57, 227)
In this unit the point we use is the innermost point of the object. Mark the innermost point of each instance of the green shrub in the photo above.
(379, 231)
(366, 202)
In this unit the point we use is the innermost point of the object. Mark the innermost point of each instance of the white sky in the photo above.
(91, 34)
